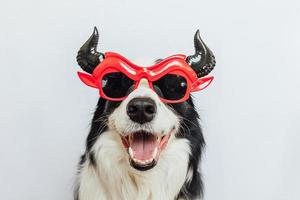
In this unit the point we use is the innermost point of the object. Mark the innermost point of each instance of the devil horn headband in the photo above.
(202, 62)
(88, 57)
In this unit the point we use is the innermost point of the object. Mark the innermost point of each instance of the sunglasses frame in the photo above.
(175, 64)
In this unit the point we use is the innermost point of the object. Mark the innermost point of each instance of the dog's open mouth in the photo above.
(144, 149)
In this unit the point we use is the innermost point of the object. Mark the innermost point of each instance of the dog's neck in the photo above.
(113, 178)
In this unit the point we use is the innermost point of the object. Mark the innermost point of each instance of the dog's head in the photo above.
(144, 122)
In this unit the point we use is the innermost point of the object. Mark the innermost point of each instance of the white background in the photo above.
(250, 114)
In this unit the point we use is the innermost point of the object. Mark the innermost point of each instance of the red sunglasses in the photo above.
(172, 78)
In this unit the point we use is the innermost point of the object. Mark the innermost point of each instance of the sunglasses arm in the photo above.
(202, 83)
(88, 79)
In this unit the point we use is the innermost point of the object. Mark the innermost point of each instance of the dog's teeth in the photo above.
(143, 162)
(154, 153)
(130, 152)
(138, 161)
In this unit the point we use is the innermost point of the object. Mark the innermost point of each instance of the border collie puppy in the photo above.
(140, 146)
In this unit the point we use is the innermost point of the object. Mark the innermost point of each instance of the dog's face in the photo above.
(145, 125)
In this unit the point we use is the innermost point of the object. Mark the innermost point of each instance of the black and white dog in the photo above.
(109, 171)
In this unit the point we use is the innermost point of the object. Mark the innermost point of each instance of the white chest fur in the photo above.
(115, 179)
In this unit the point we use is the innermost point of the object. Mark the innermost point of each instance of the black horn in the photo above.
(203, 61)
(88, 57)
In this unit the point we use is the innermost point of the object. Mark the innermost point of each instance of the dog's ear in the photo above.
(88, 79)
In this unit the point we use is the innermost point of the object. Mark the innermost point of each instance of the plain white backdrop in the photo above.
(250, 114)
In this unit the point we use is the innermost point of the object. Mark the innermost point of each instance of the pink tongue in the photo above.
(143, 146)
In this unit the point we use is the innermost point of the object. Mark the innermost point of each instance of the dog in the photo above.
(144, 145)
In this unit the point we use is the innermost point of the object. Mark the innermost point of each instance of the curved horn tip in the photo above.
(95, 30)
(197, 34)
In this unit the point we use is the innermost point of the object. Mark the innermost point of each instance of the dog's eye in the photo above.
(116, 84)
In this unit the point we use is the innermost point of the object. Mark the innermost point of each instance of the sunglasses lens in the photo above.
(171, 87)
(116, 84)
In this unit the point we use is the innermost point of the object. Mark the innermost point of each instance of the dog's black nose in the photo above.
(141, 110)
